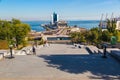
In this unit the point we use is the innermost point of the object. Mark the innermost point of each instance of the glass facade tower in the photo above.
(54, 18)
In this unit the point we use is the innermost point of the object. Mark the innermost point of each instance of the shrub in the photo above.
(3, 44)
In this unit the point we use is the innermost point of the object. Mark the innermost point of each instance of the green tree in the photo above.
(93, 35)
(106, 36)
(78, 37)
(111, 25)
(118, 36)
(75, 37)
(20, 31)
(83, 36)
(13, 31)
(5, 30)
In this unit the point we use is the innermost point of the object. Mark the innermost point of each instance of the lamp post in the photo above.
(104, 51)
(11, 54)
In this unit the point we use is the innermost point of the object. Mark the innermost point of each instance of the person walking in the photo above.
(34, 50)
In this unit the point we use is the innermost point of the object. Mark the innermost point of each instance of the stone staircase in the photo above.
(92, 49)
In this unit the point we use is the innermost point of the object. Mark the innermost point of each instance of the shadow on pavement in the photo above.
(78, 64)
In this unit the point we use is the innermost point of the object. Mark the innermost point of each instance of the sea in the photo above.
(88, 24)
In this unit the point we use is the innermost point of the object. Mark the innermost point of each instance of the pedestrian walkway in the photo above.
(60, 62)
(61, 49)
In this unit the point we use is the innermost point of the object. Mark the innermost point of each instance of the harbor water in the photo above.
(88, 24)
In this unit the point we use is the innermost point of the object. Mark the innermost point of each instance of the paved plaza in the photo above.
(60, 62)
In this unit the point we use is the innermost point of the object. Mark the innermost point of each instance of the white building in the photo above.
(75, 29)
(62, 24)
(118, 25)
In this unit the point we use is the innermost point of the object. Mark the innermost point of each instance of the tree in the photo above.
(106, 36)
(93, 35)
(75, 37)
(111, 25)
(13, 31)
(78, 37)
(118, 36)
(20, 31)
(5, 30)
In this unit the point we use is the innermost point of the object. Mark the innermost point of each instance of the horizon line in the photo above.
(66, 20)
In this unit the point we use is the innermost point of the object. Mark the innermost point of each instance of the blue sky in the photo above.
(67, 9)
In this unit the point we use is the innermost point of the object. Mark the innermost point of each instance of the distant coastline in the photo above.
(88, 24)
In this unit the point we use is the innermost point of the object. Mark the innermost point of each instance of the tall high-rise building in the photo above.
(54, 18)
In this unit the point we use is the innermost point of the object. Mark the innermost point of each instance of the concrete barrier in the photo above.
(24, 51)
(1, 56)
(21, 52)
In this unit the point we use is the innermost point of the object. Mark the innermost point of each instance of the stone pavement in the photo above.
(61, 49)
(60, 62)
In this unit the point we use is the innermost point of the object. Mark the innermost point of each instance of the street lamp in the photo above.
(11, 55)
(104, 51)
